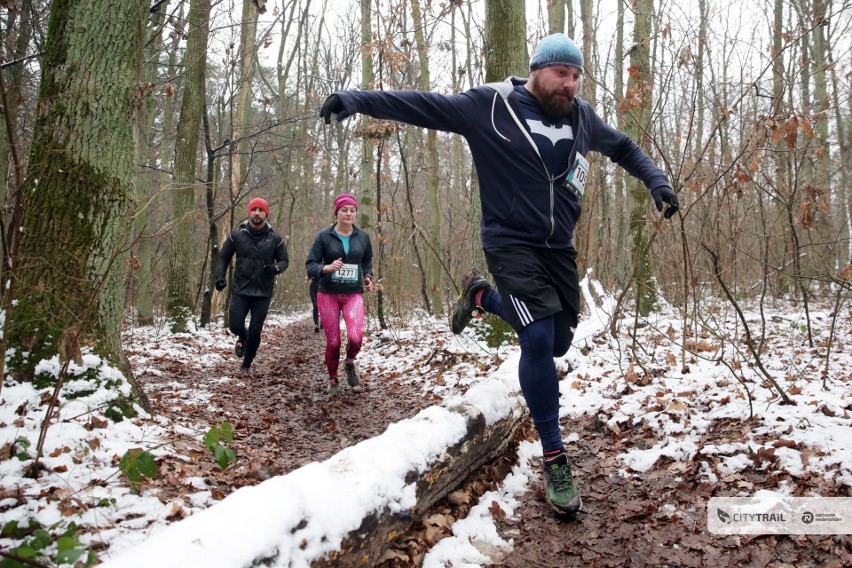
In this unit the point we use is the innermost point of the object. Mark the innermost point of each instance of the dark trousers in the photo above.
(240, 308)
(314, 304)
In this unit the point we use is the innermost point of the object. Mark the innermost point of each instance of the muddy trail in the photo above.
(283, 419)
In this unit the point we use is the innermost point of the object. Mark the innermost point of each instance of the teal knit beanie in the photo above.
(556, 49)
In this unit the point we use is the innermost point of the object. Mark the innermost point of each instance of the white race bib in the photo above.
(578, 176)
(348, 274)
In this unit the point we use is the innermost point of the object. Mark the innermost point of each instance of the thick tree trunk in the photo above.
(505, 40)
(80, 185)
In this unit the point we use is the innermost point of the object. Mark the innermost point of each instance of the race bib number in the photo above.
(347, 274)
(578, 176)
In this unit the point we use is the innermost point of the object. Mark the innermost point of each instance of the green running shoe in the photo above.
(561, 493)
(465, 307)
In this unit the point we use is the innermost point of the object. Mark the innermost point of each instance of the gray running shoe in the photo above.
(333, 388)
(352, 374)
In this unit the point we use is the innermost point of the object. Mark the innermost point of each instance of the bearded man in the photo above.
(529, 139)
(261, 256)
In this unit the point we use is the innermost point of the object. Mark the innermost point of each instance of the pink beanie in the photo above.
(258, 202)
(344, 199)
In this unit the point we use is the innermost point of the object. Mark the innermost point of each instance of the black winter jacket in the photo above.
(254, 251)
(521, 203)
(328, 247)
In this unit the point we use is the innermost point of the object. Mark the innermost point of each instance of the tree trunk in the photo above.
(433, 182)
(241, 126)
(505, 40)
(141, 268)
(182, 240)
(367, 147)
(14, 79)
(481, 444)
(80, 184)
(587, 234)
(556, 16)
(639, 90)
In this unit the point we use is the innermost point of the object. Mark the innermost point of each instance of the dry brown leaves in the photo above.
(283, 420)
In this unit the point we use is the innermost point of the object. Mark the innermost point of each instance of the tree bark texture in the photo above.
(505, 40)
(80, 183)
(181, 275)
(639, 95)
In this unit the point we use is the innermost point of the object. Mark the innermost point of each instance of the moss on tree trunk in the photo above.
(80, 183)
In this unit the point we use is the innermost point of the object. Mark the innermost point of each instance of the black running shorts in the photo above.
(535, 283)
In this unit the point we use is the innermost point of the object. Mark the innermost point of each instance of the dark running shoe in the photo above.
(333, 389)
(352, 374)
(316, 329)
(240, 348)
(245, 372)
(465, 307)
(560, 491)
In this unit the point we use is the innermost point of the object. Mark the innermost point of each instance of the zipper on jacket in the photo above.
(547, 174)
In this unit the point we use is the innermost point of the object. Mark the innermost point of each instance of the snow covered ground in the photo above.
(651, 381)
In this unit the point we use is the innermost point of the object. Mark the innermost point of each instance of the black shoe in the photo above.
(316, 329)
(246, 373)
(560, 491)
(465, 307)
(333, 389)
(352, 374)
(240, 348)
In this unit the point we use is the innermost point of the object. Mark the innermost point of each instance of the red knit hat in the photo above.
(344, 199)
(258, 202)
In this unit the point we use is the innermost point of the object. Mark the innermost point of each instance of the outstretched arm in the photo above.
(451, 113)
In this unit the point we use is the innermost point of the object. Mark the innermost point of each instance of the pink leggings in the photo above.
(330, 306)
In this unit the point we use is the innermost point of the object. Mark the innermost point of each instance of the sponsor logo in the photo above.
(771, 513)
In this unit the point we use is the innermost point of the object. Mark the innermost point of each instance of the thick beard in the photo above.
(552, 107)
(256, 222)
(556, 108)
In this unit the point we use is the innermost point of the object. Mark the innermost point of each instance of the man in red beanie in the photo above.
(256, 244)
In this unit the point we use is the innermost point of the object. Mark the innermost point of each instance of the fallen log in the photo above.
(347, 510)
(481, 443)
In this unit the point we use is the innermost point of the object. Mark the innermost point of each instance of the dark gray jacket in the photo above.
(328, 247)
(254, 251)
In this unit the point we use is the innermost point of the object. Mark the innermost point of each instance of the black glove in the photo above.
(665, 194)
(271, 269)
(220, 284)
(333, 105)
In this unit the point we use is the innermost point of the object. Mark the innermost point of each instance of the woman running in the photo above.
(341, 259)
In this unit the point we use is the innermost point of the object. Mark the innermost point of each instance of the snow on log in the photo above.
(346, 510)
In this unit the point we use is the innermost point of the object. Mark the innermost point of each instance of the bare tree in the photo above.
(181, 275)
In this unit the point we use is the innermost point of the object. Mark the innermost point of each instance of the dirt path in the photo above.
(284, 420)
(659, 518)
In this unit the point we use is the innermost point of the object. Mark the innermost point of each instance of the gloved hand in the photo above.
(333, 105)
(665, 194)
(271, 269)
(220, 284)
